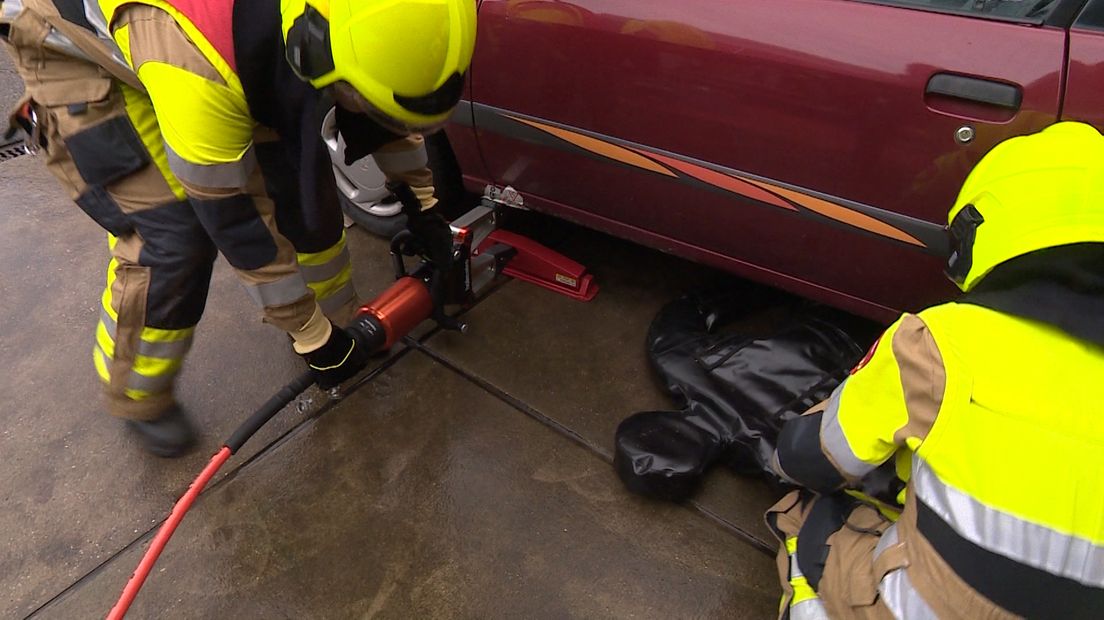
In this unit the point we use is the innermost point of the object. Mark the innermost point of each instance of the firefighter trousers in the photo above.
(102, 142)
(829, 560)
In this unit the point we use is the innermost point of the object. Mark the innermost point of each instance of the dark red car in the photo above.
(815, 145)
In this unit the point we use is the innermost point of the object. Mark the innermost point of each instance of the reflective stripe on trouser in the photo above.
(896, 588)
(153, 364)
(847, 587)
(329, 274)
(156, 291)
(804, 603)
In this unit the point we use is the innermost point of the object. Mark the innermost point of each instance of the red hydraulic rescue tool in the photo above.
(480, 253)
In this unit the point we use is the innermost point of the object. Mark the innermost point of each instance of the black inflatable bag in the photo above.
(732, 390)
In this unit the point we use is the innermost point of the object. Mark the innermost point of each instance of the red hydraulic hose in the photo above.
(400, 308)
(179, 509)
(233, 444)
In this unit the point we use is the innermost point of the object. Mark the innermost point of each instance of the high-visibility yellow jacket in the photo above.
(995, 422)
(208, 114)
(216, 79)
(237, 134)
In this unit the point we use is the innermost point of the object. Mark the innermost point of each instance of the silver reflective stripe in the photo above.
(10, 9)
(402, 161)
(327, 270)
(888, 539)
(902, 600)
(334, 302)
(96, 18)
(153, 385)
(809, 609)
(896, 588)
(108, 323)
(795, 570)
(230, 175)
(1028, 543)
(279, 293)
(165, 350)
(64, 45)
(835, 443)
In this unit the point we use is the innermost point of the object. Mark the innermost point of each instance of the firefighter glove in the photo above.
(433, 236)
(336, 361)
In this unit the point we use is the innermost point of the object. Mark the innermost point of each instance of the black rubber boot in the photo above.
(168, 436)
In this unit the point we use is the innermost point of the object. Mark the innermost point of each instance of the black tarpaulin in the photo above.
(732, 388)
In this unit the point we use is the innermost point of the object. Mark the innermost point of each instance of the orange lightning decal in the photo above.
(724, 181)
(843, 214)
(760, 191)
(600, 147)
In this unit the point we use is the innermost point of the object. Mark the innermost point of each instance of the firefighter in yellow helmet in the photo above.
(188, 128)
(981, 418)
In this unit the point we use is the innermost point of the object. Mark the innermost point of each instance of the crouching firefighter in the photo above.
(191, 127)
(987, 407)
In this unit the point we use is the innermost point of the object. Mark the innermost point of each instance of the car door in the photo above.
(1085, 85)
(815, 144)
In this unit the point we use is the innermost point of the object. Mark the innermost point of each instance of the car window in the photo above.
(1034, 11)
(1092, 17)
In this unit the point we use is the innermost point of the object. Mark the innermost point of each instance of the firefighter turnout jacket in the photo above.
(993, 421)
(215, 71)
(180, 128)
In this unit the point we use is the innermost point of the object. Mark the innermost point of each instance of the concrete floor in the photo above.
(470, 477)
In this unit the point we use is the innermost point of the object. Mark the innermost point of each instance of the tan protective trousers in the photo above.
(104, 145)
(848, 586)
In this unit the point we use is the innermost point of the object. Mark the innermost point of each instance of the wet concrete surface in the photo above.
(584, 364)
(434, 491)
(424, 496)
(11, 87)
(75, 488)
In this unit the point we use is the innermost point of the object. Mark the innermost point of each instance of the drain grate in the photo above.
(10, 149)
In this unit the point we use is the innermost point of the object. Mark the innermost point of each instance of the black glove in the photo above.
(433, 235)
(336, 361)
(431, 232)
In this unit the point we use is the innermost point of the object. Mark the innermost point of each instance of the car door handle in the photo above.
(978, 90)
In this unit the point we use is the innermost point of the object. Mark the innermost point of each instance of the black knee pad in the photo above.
(180, 256)
(826, 517)
(236, 227)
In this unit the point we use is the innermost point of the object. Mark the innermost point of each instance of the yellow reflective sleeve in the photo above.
(872, 403)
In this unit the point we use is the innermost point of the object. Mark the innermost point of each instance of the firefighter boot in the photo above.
(168, 436)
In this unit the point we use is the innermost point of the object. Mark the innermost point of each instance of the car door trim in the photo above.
(912, 232)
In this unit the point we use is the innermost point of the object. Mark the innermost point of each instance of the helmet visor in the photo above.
(347, 97)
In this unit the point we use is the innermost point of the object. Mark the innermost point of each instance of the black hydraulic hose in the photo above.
(261, 417)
